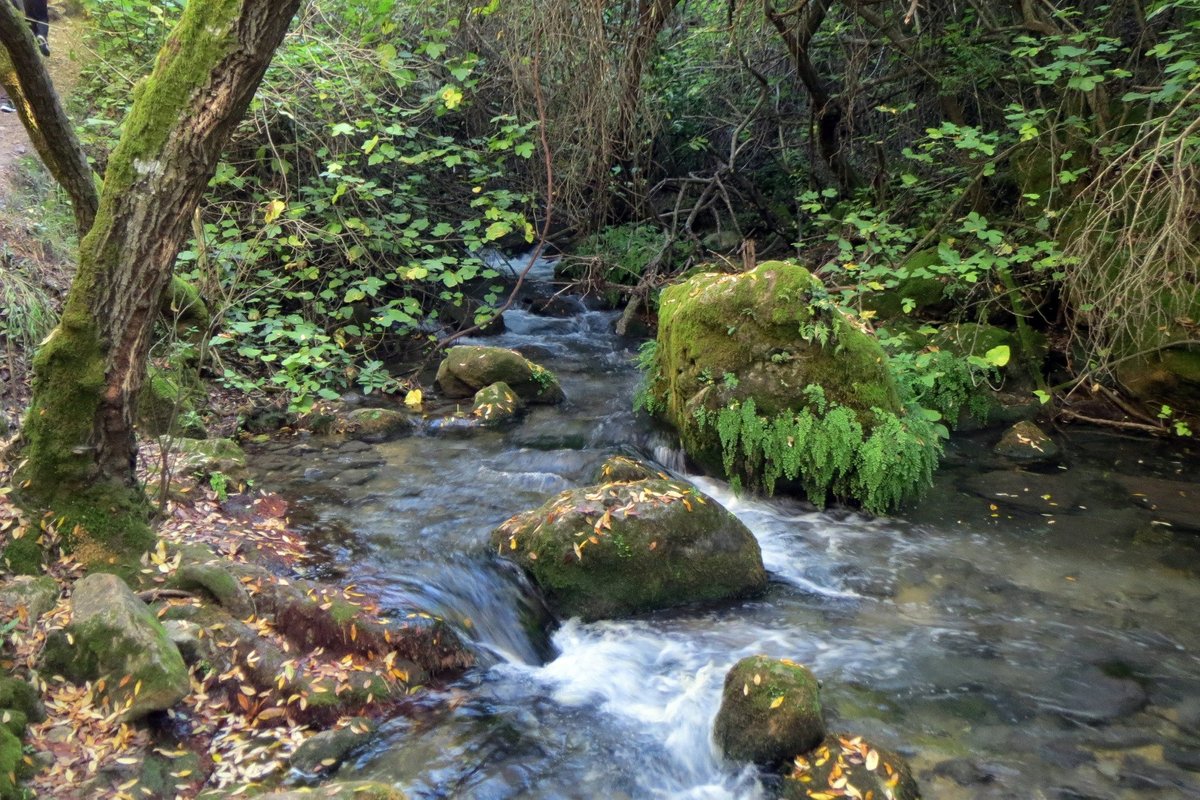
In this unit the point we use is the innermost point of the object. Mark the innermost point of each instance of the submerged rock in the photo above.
(1026, 442)
(770, 711)
(849, 766)
(625, 548)
(116, 636)
(323, 752)
(467, 369)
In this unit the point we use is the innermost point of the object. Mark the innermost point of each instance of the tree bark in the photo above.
(24, 76)
(79, 447)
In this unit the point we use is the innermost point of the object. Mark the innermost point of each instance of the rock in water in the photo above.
(496, 403)
(620, 469)
(1026, 442)
(116, 636)
(624, 548)
(467, 369)
(849, 766)
(770, 711)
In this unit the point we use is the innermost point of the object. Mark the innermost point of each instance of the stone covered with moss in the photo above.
(625, 548)
(766, 382)
(1025, 441)
(770, 711)
(496, 403)
(207, 457)
(467, 369)
(27, 597)
(622, 469)
(115, 635)
(849, 766)
(376, 424)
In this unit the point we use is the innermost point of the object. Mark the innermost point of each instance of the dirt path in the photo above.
(65, 61)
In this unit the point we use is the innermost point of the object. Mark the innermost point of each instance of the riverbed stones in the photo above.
(1025, 441)
(468, 368)
(770, 711)
(849, 766)
(115, 635)
(626, 548)
(496, 403)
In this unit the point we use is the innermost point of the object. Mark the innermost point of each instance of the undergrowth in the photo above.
(827, 451)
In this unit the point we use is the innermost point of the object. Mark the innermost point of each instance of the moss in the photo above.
(11, 759)
(24, 556)
(626, 548)
(15, 721)
(105, 527)
(770, 711)
(21, 696)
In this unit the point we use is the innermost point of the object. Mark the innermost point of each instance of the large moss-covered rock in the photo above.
(20, 696)
(467, 369)
(114, 635)
(770, 711)
(1169, 378)
(625, 548)
(849, 766)
(729, 338)
(377, 423)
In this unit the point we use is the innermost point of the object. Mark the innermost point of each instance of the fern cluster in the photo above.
(945, 382)
(644, 398)
(826, 449)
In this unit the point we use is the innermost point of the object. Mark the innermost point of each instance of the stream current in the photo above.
(1044, 649)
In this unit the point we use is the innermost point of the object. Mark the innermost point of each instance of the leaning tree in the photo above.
(77, 450)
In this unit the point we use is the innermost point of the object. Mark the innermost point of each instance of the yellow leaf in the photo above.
(274, 209)
(777, 702)
(414, 398)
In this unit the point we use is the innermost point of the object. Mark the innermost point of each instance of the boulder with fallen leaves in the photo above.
(770, 711)
(1025, 441)
(845, 766)
(467, 369)
(625, 548)
(622, 469)
(354, 790)
(115, 637)
(496, 403)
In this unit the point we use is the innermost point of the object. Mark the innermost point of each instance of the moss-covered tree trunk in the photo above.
(80, 453)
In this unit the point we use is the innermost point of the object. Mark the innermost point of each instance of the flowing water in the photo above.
(1047, 649)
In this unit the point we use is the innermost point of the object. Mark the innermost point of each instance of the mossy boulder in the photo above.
(724, 339)
(213, 579)
(496, 403)
(1025, 441)
(115, 635)
(770, 711)
(849, 766)
(467, 369)
(28, 597)
(207, 457)
(323, 752)
(622, 469)
(377, 423)
(171, 402)
(12, 766)
(624, 548)
(917, 290)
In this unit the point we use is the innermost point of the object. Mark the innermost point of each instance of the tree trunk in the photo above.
(79, 450)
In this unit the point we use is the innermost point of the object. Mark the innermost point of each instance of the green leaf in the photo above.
(998, 356)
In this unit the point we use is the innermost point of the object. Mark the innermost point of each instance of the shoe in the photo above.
(6, 107)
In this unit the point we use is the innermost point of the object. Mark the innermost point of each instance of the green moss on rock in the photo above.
(29, 596)
(625, 548)
(496, 403)
(770, 711)
(1025, 441)
(24, 556)
(622, 469)
(467, 369)
(170, 403)
(377, 423)
(21, 696)
(116, 635)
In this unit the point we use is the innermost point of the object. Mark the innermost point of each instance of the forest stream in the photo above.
(1016, 634)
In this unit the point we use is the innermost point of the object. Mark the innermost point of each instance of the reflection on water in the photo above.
(1032, 652)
